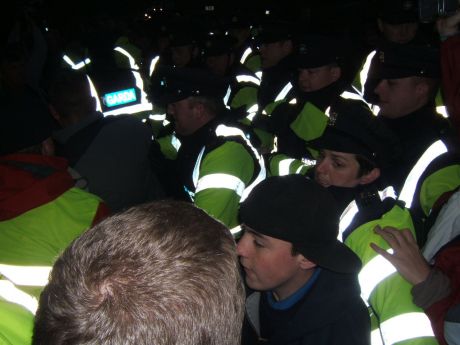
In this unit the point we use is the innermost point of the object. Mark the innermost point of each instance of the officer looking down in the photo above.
(213, 163)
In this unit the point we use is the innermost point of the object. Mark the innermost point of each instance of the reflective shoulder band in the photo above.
(247, 79)
(406, 326)
(374, 272)
(245, 55)
(346, 217)
(94, 94)
(365, 70)
(226, 181)
(26, 275)
(283, 93)
(153, 64)
(132, 109)
(12, 294)
(408, 190)
(284, 166)
(227, 95)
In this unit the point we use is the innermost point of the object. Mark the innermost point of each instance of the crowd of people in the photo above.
(236, 179)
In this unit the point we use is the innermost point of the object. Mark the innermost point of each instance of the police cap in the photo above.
(216, 45)
(172, 84)
(274, 31)
(317, 50)
(397, 11)
(352, 128)
(406, 60)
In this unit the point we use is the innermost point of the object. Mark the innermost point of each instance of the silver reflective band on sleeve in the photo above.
(11, 293)
(259, 74)
(346, 217)
(225, 131)
(132, 109)
(293, 101)
(157, 117)
(351, 95)
(248, 79)
(388, 192)
(284, 166)
(327, 112)
(227, 95)
(376, 337)
(94, 94)
(245, 55)
(153, 64)
(253, 109)
(220, 181)
(442, 110)
(374, 272)
(175, 142)
(26, 275)
(365, 71)
(284, 92)
(406, 326)
(408, 190)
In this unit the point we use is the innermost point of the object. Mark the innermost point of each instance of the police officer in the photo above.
(219, 58)
(355, 150)
(409, 77)
(213, 163)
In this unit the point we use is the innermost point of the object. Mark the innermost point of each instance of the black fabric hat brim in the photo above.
(339, 141)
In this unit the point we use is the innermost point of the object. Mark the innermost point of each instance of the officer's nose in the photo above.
(242, 246)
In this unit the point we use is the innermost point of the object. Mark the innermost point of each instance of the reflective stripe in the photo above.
(226, 181)
(293, 101)
(442, 110)
(259, 74)
(26, 275)
(153, 64)
(376, 338)
(408, 190)
(406, 326)
(94, 94)
(137, 75)
(251, 116)
(132, 109)
(245, 55)
(175, 142)
(76, 66)
(284, 92)
(352, 209)
(227, 95)
(11, 293)
(373, 273)
(248, 79)
(157, 117)
(254, 108)
(351, 95)
(346, 217)
(284, 165)
(230, 180)
(365, 70)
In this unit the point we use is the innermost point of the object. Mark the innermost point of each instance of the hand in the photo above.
(406, 257)
(448, 26)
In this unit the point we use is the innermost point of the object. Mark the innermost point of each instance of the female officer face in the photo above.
(341, 169)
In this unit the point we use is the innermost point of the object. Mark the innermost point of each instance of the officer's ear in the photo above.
(370, 177)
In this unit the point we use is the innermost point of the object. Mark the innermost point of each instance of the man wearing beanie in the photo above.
(307, 291)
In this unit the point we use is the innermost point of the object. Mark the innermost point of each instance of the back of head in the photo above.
(26, 122)
(70, 94)
(159, 273)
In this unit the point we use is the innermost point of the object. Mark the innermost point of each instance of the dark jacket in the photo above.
(332, 312)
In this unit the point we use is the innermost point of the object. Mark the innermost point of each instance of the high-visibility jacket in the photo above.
(41, 212)
(395, 318)
(16, 324)
(225, 168)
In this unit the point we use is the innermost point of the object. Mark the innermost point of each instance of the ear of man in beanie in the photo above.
(292, 208)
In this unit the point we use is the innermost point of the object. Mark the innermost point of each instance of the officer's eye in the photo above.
(257, 243)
